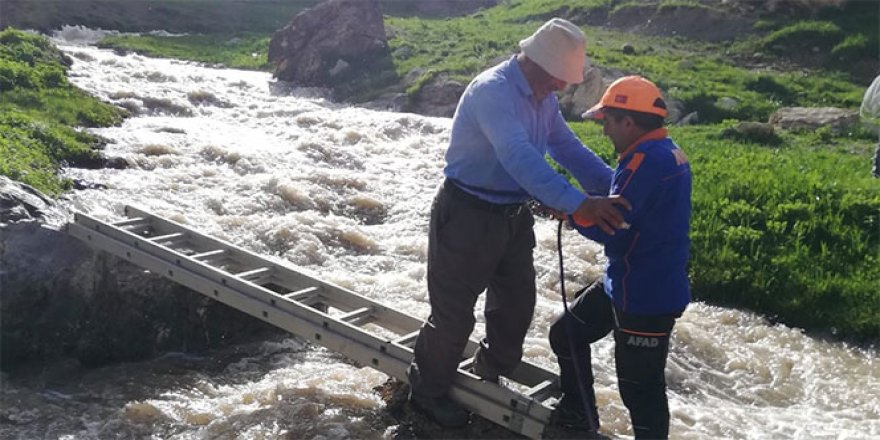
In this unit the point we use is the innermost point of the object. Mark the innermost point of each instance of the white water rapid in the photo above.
(344, 193)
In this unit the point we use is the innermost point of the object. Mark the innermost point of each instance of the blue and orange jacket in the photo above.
(647, 263)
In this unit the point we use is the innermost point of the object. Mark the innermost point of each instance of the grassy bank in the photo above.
(704, 77)
(244, 51)
(38, 110)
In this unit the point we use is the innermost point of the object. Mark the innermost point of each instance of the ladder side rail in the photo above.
(268, 297)
(291, 316)
(324, 334)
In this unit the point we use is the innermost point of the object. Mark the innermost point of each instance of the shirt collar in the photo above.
(516, 74)
(659, 133)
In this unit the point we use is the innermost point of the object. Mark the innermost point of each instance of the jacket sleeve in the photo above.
(637, 180)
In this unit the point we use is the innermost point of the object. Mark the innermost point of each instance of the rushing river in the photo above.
(344, 192)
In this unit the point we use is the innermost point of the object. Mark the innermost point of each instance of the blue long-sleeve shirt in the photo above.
(647, 263)
(500, 135)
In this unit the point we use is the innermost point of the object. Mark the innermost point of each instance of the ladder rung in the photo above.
(541, 391)
(357, 317)
(303, 295)
(254, 274)
(466, 364)
(407, 340)
(208, 255)
(130, 222)
(166, 237)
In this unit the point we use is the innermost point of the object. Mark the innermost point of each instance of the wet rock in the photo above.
(317, 39)
(165, 106)
(413, 424)
(116, 163)
(22, 202)
(438, 97)
(80, 184)
(63, 299)
(675, 109)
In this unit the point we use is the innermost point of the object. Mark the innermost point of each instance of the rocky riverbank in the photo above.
(58, 295)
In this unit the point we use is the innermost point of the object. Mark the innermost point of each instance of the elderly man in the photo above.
(645, 288)
(481, 235)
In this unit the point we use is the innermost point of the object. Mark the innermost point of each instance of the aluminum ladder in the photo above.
(366, 331)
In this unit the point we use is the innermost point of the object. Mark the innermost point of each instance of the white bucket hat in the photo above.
(558, 46)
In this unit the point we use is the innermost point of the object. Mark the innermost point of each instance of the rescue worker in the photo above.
(481, 235)
(645, 286)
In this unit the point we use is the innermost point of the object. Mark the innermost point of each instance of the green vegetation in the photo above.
(38, 109)
(245, 51)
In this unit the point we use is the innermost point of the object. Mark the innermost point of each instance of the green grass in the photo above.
(245, 51)
(791, 231)
(38, 110)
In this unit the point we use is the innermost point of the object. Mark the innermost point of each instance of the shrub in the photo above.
(803, 36)
(853, 48)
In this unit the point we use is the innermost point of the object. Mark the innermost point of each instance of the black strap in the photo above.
(569, 323)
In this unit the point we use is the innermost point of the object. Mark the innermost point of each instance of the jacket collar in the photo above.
(652, 135)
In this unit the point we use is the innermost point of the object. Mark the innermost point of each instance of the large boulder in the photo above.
(578, 98)
(321, 45)
(811, 118)
(439, 97)
(62, 299)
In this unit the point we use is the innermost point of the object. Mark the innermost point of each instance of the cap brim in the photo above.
(597, 112)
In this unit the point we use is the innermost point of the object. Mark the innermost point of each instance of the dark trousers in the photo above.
(641, 346)
(472, 249)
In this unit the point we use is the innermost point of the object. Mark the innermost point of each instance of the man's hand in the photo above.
(543, 210)
(602, 212)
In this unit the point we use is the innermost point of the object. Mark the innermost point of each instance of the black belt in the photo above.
(507, 210)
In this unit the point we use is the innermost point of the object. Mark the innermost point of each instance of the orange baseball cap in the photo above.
(630, 93)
